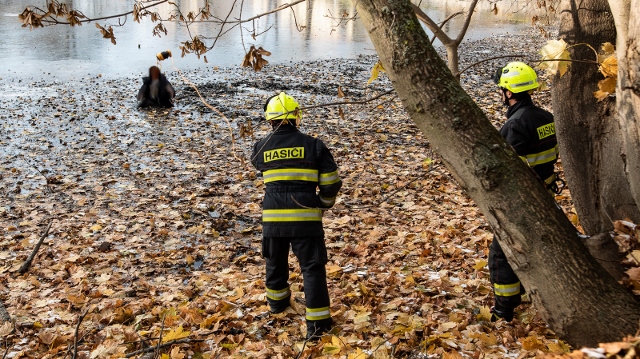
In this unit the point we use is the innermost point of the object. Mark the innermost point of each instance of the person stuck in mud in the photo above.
(156, 90)
(301, 180)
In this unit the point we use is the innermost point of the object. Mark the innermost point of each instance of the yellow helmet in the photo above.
(517, 77)
(282, 107)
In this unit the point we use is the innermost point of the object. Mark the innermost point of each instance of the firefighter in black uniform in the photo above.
(531, 132)
(301, 180)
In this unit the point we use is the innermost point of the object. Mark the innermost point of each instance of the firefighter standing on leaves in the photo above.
(531, 132)
(294, 167)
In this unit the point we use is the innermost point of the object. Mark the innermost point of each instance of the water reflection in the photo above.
(67, 52)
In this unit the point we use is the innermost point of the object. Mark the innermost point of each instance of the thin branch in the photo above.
(467, 21)
(240, 21)
(444, 22)
(6, 349)
(75, 335)
(433, 27)
(4, 314)
(55, 21)
(224, 23)
(164, 345)
(523, 56)
(25, 266)
(157, 347)
(387, 197)
(348, 102)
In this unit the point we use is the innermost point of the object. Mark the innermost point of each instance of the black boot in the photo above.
(317, 328)
(497, 314)
(279, 306)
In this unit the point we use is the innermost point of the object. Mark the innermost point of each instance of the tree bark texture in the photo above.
(579, 300)
(627, 16)
(588, 131)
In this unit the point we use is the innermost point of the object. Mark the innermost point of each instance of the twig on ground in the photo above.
(387, 197)
(75, 335)
(160, 346)
(4, 314)
(348, 102)
(6, 348)
(157, 348)
(27, 264)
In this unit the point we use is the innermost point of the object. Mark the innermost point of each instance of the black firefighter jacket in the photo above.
(300, 177)
(532, 134)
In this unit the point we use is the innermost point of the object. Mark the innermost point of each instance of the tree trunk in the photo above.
(588, 131)
(627, 18)
(579, 300)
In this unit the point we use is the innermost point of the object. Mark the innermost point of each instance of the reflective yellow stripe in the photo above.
(278, 294)
(291, 174)
(329, 178)
(291, 215)
(506, 290)
(539, 158)
(318, 313)
(327, 201)
(551, 179)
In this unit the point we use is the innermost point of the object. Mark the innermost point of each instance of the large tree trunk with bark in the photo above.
(588, 131)
(579, 300)
(627, 19)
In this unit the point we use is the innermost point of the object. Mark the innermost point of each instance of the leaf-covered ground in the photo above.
(156, 223)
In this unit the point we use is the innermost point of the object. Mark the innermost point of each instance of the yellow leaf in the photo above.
(358, 354)
(165, 356)
(607, 85)
(332, 348)
(96, 228)
(190, 259)
(175, 334)
(555, 50)
(375, 71)
(609, 66)
(480, 264)
(485, 313)
(558, 348)
(608, 48)
(532, 343)
(600, 95)
(37, 325)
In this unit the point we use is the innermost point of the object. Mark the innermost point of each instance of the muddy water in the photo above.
(64, 52)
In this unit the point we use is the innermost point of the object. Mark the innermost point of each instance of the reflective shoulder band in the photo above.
(291, 174)
(278, 294)
(506, 290)
(329, 178)
(291, 215)
(318, 313)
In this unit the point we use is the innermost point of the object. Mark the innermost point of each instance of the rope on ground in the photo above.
(212, 108)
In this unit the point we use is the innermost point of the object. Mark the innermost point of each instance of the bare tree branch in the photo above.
(433, 27)
(53, 21)
(241, 21)
(444, 22)
(467, 21)
(27, 263)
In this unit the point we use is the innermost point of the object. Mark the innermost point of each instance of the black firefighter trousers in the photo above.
(507, 290)
(312, 256)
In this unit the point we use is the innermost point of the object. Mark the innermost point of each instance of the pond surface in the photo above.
(65, 52)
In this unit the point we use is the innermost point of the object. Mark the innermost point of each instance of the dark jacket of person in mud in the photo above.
(156, 90)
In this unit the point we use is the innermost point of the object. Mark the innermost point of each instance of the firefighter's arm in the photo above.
(329, 181)
(516, 138)
(254, 156)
